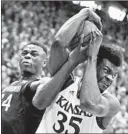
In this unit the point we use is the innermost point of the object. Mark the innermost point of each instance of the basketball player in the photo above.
(85, 106)
(20, 111)
(19, 116)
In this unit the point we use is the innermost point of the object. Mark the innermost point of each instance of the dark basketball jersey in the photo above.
(17, 109)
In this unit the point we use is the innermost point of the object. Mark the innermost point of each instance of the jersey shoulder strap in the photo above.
(26, 91)
(68, 82)
(26, 99)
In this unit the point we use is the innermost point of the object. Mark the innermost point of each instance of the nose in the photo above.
(27, 56)
(110, 77)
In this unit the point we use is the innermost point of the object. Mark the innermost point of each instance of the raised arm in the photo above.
(47, 92)
(59, 52)
(70, 27)
(91, 100)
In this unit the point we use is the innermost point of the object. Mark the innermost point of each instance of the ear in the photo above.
(44, 63)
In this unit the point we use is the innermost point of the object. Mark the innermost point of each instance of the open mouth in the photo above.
(106, 85)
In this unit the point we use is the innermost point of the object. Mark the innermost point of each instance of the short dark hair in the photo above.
(36, 43)
(112, 52)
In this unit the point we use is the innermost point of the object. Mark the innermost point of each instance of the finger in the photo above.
(96, 19)
(74, 43)
(81, 39)
(87, 38)
(99, 33)
(83, 50)
(93, 35)
(100, 25)
(98, 22)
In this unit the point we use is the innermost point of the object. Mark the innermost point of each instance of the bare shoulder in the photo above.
(42, 81)
(114, 104)
(45, 79)
(16, 82)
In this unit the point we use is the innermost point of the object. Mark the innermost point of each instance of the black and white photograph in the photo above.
(64, 67)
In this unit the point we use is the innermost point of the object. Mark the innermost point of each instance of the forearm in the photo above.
(46, 93)
(65, 38)
(58, 56)
(70, 27)
(90, 93)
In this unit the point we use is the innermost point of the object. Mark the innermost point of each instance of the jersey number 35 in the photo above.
(74, 123)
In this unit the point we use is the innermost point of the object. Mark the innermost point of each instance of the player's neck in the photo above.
(29, 76)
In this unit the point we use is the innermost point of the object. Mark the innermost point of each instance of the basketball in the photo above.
(85, 28)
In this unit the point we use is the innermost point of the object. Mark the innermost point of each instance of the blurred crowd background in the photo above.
(39, 20)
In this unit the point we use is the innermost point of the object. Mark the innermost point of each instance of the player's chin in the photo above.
(102, 87)
(27, 69)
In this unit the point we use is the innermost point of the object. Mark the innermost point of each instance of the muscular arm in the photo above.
(114, 107)
(58, 56)
(59, 52)
(91, 98)
(70, 27)
(46, 92)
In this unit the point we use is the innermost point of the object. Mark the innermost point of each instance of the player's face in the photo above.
(106, 72)
(31, 60)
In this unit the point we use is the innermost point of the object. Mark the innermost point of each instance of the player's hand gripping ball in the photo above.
(85, 29)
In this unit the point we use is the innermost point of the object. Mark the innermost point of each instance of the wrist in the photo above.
(85, 12)
(73, 63)
(92, 58)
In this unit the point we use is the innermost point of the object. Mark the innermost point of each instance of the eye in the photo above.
(34, 54)
(114, 75)
(106, 70)
(24, 52)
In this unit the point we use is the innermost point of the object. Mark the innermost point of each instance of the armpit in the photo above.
(100, 123)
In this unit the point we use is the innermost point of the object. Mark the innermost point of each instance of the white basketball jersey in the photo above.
(65, 116)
